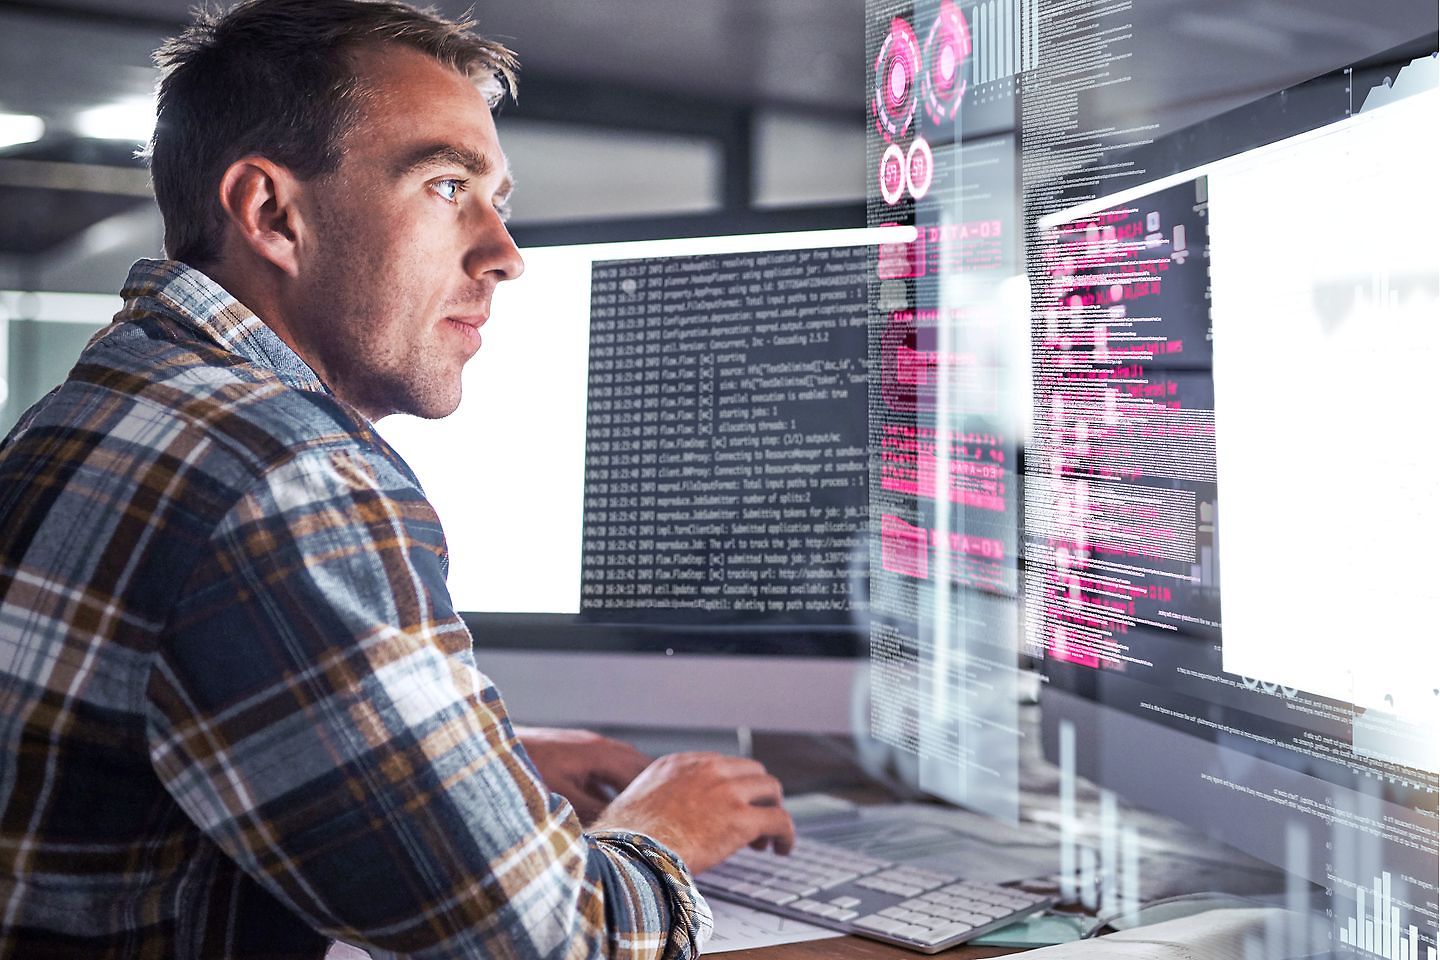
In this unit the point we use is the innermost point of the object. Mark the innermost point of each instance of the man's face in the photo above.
(405, 242)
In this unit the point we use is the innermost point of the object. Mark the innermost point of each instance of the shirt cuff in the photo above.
(691, 922)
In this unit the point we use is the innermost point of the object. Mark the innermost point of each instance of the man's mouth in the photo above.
(467, 326)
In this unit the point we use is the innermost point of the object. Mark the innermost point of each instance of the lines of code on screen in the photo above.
(725, 451)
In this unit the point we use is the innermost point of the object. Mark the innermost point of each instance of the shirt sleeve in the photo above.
(316, 711)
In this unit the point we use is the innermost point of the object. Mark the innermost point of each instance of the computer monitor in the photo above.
(654, 491)
(1231, 506)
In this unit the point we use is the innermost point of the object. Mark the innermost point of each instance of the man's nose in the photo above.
(494, 253)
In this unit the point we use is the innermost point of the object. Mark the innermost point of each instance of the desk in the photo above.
(858, 948)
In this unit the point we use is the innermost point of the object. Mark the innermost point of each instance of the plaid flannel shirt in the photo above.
(238, 715)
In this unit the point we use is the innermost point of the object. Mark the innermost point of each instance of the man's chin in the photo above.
(429, 398)
(433, 408)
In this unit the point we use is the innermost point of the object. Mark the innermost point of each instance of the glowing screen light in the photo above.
(17, 128)
(132, 119)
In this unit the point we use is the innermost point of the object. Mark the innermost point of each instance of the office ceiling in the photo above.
(793, 51)
(799, 52)
(58, 57)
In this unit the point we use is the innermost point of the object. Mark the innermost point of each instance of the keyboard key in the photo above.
(911, 932)
(751, 876)
(989, 910)
(919, 881)
(835, 879)
(804, 904)
(771, 895)
(897, 913)
(845, 914)
(800, 890)
(954, 905)
(960, 889)
(941, 934)
(933, 878)
(845, 903)
(879, 924)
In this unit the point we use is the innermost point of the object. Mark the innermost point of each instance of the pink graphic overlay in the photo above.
(1123, 451)
(1063, 647)
(904, 548)
(909, 464)
(910, 374)
(943, 248)
(975, 561)
(896, 71)
(900, 261)
(919, 168)
(947, 55)
(892, 174)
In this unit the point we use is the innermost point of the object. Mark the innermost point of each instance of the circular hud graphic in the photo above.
(892, 174)
(897, 70)
(919, 168)
(947, 54)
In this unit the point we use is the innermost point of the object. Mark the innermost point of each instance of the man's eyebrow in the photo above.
(442, 155)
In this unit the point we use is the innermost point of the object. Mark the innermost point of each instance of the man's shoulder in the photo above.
(155, 390)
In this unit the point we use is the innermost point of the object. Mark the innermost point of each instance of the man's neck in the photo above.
(263, 298)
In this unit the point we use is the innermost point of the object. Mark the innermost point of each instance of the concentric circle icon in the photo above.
(947, 55)
(892, 174)
(897, 71)
(919, 168)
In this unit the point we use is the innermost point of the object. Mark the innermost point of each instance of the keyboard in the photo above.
(830, 886)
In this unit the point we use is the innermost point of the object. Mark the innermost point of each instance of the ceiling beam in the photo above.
(82, 177)
(105, 16)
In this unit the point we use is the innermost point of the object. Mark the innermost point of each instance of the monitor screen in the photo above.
(1229, 517)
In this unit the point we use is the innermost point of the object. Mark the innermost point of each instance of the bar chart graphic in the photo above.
(1377, 930)
(1006, 37)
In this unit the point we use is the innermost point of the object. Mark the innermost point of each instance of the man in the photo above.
(238, 716)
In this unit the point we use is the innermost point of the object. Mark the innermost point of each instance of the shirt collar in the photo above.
(188, 296)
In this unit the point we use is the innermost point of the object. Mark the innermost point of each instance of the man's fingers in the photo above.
(774, 824)
(587, 807)
(717, 764)
(742, 767)
(760, 790)
(619, 763)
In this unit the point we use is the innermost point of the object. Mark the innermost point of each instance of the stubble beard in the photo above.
(372, 354)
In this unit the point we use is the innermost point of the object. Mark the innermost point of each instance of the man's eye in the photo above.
(450, 189)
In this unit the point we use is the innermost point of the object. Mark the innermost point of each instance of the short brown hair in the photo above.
(275, 77)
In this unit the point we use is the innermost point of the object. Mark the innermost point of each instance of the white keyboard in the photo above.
(829, 886)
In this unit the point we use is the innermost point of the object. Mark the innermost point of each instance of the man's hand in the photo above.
(704, 806)
(583, 767)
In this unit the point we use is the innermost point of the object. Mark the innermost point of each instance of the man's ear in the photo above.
(260, 201)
